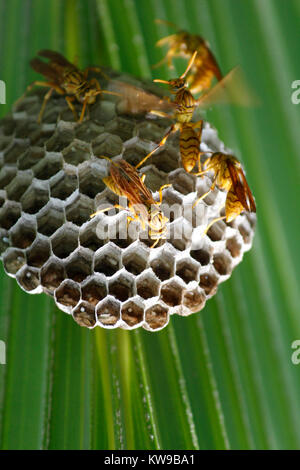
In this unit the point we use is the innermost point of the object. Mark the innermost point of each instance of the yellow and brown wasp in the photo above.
(66, 79)
(184, 105)
(184, 44)
(229, 175)
(124, 180)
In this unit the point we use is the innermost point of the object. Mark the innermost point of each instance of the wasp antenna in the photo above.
(168, 23)
(190, 64)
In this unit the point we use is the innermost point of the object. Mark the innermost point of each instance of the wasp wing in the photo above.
(45, 69)
(241, 187)
(56, 57)
(135, 100)
(128, 180)
(232, 89)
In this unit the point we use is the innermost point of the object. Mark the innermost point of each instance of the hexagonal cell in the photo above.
(209, 283)
(149, 131)
(8, 125)
(79, 209)
(121, 127)
(94, 290)
(135, 259)
(65, 240)
(187, 270)
(4, 241)
(154, 179)
(92, 235)
(64, 134)
(103, 111)
(2, 197)
(15, 150)
(29, 279)
(222, 264)
(108, 259)
(90, 179)
(36, 197)
(180, 234)
(202, 256)
(48, 166)
(52, 274)
(182, 181)
(163, 265)
(25, 129)
(50, 218)
(4, 142)
(64, 183)
(171, 293)
(108, 311)
(194, 300)
(135, 150)
(132, 313)
(68, 293)
(166, 160)
(13, 260)
(7, 174)
(88, 130)
(216, 231)
(156, 317)
(245, 234)
(23, 233)
(77, 152)
(30, 157)
(38, 253)
(234, 247)
(107, 144)
(121, 287)
(79, 265)
(84, 315)
(42, 134)
(9, 214)
(16, 188)
(147, 285)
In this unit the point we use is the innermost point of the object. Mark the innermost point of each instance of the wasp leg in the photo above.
(207, 192)
(69, 100)
(173, 128)
(160, 191)
(213, 222)
(116, 206)
(160, 113)
(47, 96)
(83, 109)
(155, 243)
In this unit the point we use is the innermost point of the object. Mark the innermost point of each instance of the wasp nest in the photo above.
(50, 184)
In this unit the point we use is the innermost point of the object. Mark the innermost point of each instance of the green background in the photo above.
(215, 380)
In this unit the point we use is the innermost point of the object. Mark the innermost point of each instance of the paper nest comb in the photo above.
(50, 183)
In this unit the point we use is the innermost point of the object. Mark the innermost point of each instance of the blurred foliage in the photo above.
(219, 379)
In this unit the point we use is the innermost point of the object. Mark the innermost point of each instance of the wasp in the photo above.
(124, 180)
(184, 105)
(184, 44)
(66, 79)
(229, 175)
